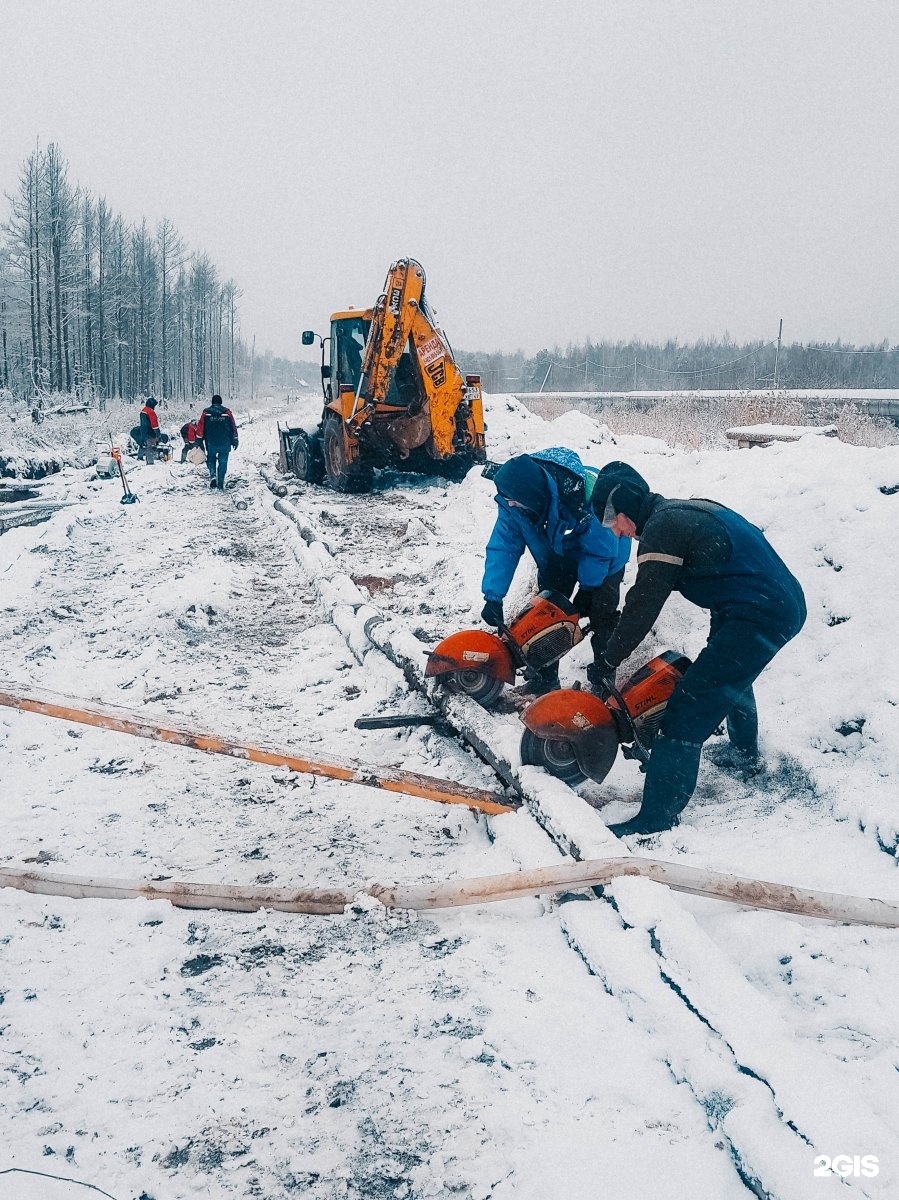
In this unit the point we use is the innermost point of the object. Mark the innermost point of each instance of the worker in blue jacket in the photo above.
(544, 506)
(719, 561)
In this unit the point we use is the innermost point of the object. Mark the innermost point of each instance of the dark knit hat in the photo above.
(216, 400)
(619, 489)
(151, 403)
(522, 480)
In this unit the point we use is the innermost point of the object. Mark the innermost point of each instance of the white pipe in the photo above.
(486, 889)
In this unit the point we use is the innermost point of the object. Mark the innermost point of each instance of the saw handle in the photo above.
(512, 646)
(621, 714)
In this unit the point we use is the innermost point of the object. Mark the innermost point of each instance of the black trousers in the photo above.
(217, 462)
(561, 576)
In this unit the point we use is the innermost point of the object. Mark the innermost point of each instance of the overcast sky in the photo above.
(562, 170)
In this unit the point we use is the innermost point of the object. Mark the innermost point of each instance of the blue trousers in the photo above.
(719, 684)
(217, 462)
(716, 688)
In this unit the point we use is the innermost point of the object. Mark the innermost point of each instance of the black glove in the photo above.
(583, 601)
(601, 677)
(492, 613)
(234, 445)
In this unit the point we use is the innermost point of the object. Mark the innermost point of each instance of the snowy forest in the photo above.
(717, 364)
(95, 307)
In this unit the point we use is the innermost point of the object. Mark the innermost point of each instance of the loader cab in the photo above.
(348, 338)
(349, 333)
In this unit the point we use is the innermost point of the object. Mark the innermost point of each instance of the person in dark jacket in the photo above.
(189, 436)
(148, 440)
(218, 429)
(717, 560)
(543, 501)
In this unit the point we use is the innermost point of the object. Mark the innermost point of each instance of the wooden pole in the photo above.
(387, 778)
(488, 889)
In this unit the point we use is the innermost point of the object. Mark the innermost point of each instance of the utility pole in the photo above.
(777, 351)
(546, 376)
(635, 373)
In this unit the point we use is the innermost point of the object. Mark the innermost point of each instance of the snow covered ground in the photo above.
(655, 1046)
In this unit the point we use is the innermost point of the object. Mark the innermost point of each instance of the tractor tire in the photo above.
(554, 755)
(306, 459)
(342, 476)
(485, 689)
(454, 469)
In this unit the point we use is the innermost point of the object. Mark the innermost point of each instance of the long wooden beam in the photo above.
(389, 779)
(486, 889)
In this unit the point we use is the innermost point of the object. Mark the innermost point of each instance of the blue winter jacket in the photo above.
(579, 538)
(717, 560)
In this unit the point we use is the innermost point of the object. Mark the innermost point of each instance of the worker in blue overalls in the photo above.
(543, 502)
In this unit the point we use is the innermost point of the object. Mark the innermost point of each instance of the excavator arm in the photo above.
(391, 325)
(452, 405)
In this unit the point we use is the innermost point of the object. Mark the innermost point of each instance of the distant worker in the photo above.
(148, 438)
(218, 431)
(189, 435)
(544, 506)
(717, 560)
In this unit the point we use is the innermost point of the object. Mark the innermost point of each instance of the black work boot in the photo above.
(538, 683)
(670, 782)
(744, 763)
(594, 675)
(743, 726)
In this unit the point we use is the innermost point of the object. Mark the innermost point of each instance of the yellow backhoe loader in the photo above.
(393, 395)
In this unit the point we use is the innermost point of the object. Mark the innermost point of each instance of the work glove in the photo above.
(234, 445)
(492, 613)
(583, 601)
(601, 677)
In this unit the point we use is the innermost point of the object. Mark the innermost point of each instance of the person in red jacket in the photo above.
(218, 429)
(149, 432)
(189, 434)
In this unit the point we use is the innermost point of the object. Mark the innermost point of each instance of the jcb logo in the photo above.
(395, 294)
(844, 1165)
(437, 371)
